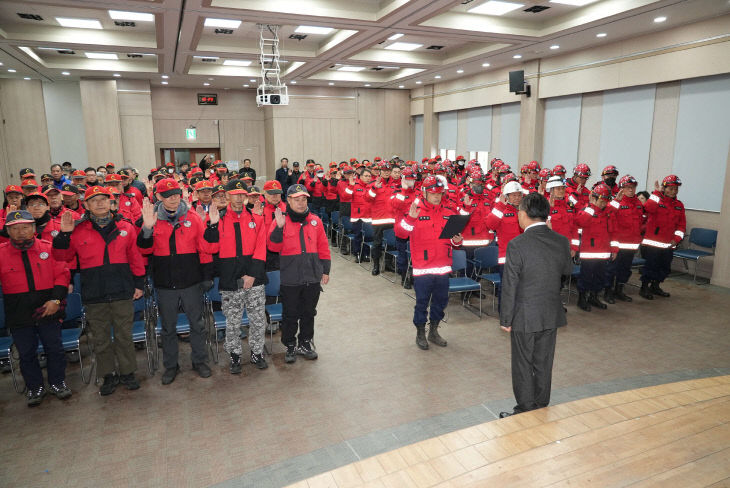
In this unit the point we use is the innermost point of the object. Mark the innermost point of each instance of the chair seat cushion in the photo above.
(491, 277)
(5, 344)
(183, 326)
(461, 284)
(275, 311)
(139, 331)
(576, 269)
(638, 262)
(691, 254)
(220, 320)
(69, 340)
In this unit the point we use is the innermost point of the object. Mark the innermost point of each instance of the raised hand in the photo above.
(279, 217)
(467, 200)
(67, 222)
(656, 186)
(258, 207)
(201, 213)
(414, 211)
(552, 200)
(619, 195)
(214, 214)
(149, 215)
(185, 193)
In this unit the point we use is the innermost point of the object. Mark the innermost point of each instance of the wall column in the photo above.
(532, 119)
(135, 120)
(100, 107)
(430, 125)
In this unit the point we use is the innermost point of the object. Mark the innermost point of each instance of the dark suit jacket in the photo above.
(535, 262)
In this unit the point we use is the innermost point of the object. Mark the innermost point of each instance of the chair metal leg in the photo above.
(12, 373)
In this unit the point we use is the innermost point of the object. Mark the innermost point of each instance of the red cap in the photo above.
(203, 185)
(96, 190)
(79, 173)
(109, 165)
(167, 187)
(29, 182)
(37, 194)
(113, 177)
(13, 189)
(273, 187)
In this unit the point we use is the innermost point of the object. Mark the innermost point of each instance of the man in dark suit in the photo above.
(531, 306)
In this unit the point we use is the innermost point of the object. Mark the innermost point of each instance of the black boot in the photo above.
(236, 366)
(596, 302)
(655, 290)
(618, 292)
(645, 291)
(408, 282)
(376, 267)
(583, 302)
(421, 341)
(433, 335)
(608, 295)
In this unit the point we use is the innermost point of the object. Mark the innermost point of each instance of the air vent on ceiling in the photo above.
(125, 23)
(224, 31)
(65, 51)
(298, 37)
(376, 69)
(536, 9)
(30, 16)
(209, 60)
(465, 2)
(435, 48)
(134, 55)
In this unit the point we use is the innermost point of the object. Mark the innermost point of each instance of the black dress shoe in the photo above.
(505, 414)
(169, 375)
(202, 369)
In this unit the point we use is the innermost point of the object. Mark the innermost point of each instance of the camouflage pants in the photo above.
(233, 303)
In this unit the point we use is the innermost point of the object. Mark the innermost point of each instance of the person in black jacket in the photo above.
(282, 175)
(247, 170)
(294, 175)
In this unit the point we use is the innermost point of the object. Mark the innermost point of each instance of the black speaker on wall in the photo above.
(517, 81)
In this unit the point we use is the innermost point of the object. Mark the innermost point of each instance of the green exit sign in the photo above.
(190, 134)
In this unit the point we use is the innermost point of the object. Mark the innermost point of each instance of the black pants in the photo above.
(592, 276)
(192, 303)
(433, 289)
(26, 341)
(378, 240)
(658, 263)
(272, 261)
(345, 208)
(619, 269)
(299, 307)
(532, 368)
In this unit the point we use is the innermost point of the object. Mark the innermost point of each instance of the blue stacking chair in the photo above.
(215, 319)
(367, 242)
(573, 276)
(71, 338)
(6, 346)
(390, 250)
(346, 233)
(274, 311)
(77, 282)
(141, 332)
(487, 258)
(334, 224)
(462, 284)
(706, 238)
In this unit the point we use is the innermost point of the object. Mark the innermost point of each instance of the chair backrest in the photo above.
(703, 237)
(487, 256)
(367, 231)
(458, 260)
(77, 283)
(74, 309)
(389, 239)
(272, 287)
(346, 224)
(214, 294)
(335, 216)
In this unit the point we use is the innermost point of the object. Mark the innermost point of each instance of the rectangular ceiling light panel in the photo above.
(101, 55)
(310, 29)
(79, 23)
(236, 62)
(135, 16)
(225, 23)
(403, 46)
(495, 7)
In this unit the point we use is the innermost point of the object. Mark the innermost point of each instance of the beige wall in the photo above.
(100, 107)
(135, 118)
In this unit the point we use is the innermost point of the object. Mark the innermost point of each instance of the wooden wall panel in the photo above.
(344, 140)
(101, 121)
(371, 128)
(135, 117)
(288, 139)
(316, 140)
(397, 125)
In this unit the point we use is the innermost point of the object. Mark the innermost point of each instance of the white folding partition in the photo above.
(562, 131)
(447, 130)
(479, 129)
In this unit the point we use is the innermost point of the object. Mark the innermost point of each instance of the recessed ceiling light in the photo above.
(102, 55)
(575, 3)
(401, 86)
(311, 29)
(210, 79)
(206, 84)
(163, 82)
(236, 62)
(252, 80)
(330, 83)
(438, 77)
(659, 20)
(395, 36)
(403, 46)
(116, 75)
(367, 84)
(389, 67)
(65, 73)
(554, 47)
(11, 70)
(135, 16)
(419, 82)
(164, 77)
(225, 23)
(79, 23)
(351, 68)
(459, 71)
(245, 86)
(27, 78)
(601, 34)
(495, 7)
(1, 63)
(206, 57)
(293, 82)
(517, 56)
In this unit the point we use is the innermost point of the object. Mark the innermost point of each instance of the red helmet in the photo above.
(533, 166)
(438, 157)
(432, 184)
(627, 180)
(545, 174)
(601, 190)
(504, 169)
(671, 180)
(475, 174)
(408, 173)
(609, 170)
(510, 176)
(524, 169)
(424, 160)
(582, 170)
(439, 168)
(460, 158)
(559, 170)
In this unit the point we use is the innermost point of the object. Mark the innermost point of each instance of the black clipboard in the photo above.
(455, 225)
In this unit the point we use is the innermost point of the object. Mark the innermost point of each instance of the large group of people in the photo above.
(190, 226)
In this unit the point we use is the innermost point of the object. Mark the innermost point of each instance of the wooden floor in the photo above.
(672, 435)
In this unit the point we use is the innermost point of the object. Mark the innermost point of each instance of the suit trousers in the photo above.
(103, 318)
(658, 263)
(169, 301)
(434, 289)
(299, 307)
(532, 368)
(619, 269)
(592, 276)
(26, 342)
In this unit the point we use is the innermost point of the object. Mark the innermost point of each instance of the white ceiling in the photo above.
(175, 43)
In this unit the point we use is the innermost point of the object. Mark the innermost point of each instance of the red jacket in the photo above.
(400, 203)
(503, 220)
(111, 266)
(576, 199)
(530, 187)
(429, 254)
(562, 220)
(344, 191)
(626, 222)
(301, 265)
(29, 279)
(361, 202)
(129, 208)
(313, 184)
(476, 233)
(241, 248)
(380, 209)
(666, 223)
(135, 193)
(595, 242)
(330, 188)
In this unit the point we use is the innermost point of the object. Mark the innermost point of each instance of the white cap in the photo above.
(554, 182)
(512, 187)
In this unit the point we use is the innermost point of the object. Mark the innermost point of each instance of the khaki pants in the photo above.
(102, 317)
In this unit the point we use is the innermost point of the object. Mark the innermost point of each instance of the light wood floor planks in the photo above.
(672, 435)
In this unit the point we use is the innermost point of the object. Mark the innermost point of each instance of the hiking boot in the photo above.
(259, 361)
(645, 292)
(129, 381)
(307, 350)
(376, 268)
(35, 396)
(291, 354)
(202, 369)
(60, 390)
(618, 292)
(169, 375)
(110, 384)
(596, 302)
(236, 364)
(655, 290)
(583, 302)
(421, 341)
(433, 335)
(407, 283)
(608, 295)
